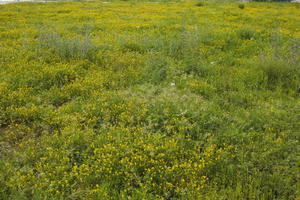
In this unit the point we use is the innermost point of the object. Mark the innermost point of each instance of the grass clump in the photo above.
(199, 4)
(246, 33)
(65, 48)
(280, 74)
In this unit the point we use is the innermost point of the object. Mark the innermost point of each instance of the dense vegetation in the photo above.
(149, 100)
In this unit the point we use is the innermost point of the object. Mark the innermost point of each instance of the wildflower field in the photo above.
(150, 100)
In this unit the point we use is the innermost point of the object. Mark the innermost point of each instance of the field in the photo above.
(150, 100)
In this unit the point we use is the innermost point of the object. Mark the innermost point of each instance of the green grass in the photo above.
(149, 100)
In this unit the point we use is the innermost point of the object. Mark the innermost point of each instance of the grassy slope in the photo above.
(149, 100)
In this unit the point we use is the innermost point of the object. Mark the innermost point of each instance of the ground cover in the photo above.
(149, 100)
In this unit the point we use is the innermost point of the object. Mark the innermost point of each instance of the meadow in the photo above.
(150, 100)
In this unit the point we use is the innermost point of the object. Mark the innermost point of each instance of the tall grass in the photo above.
(66, 48)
